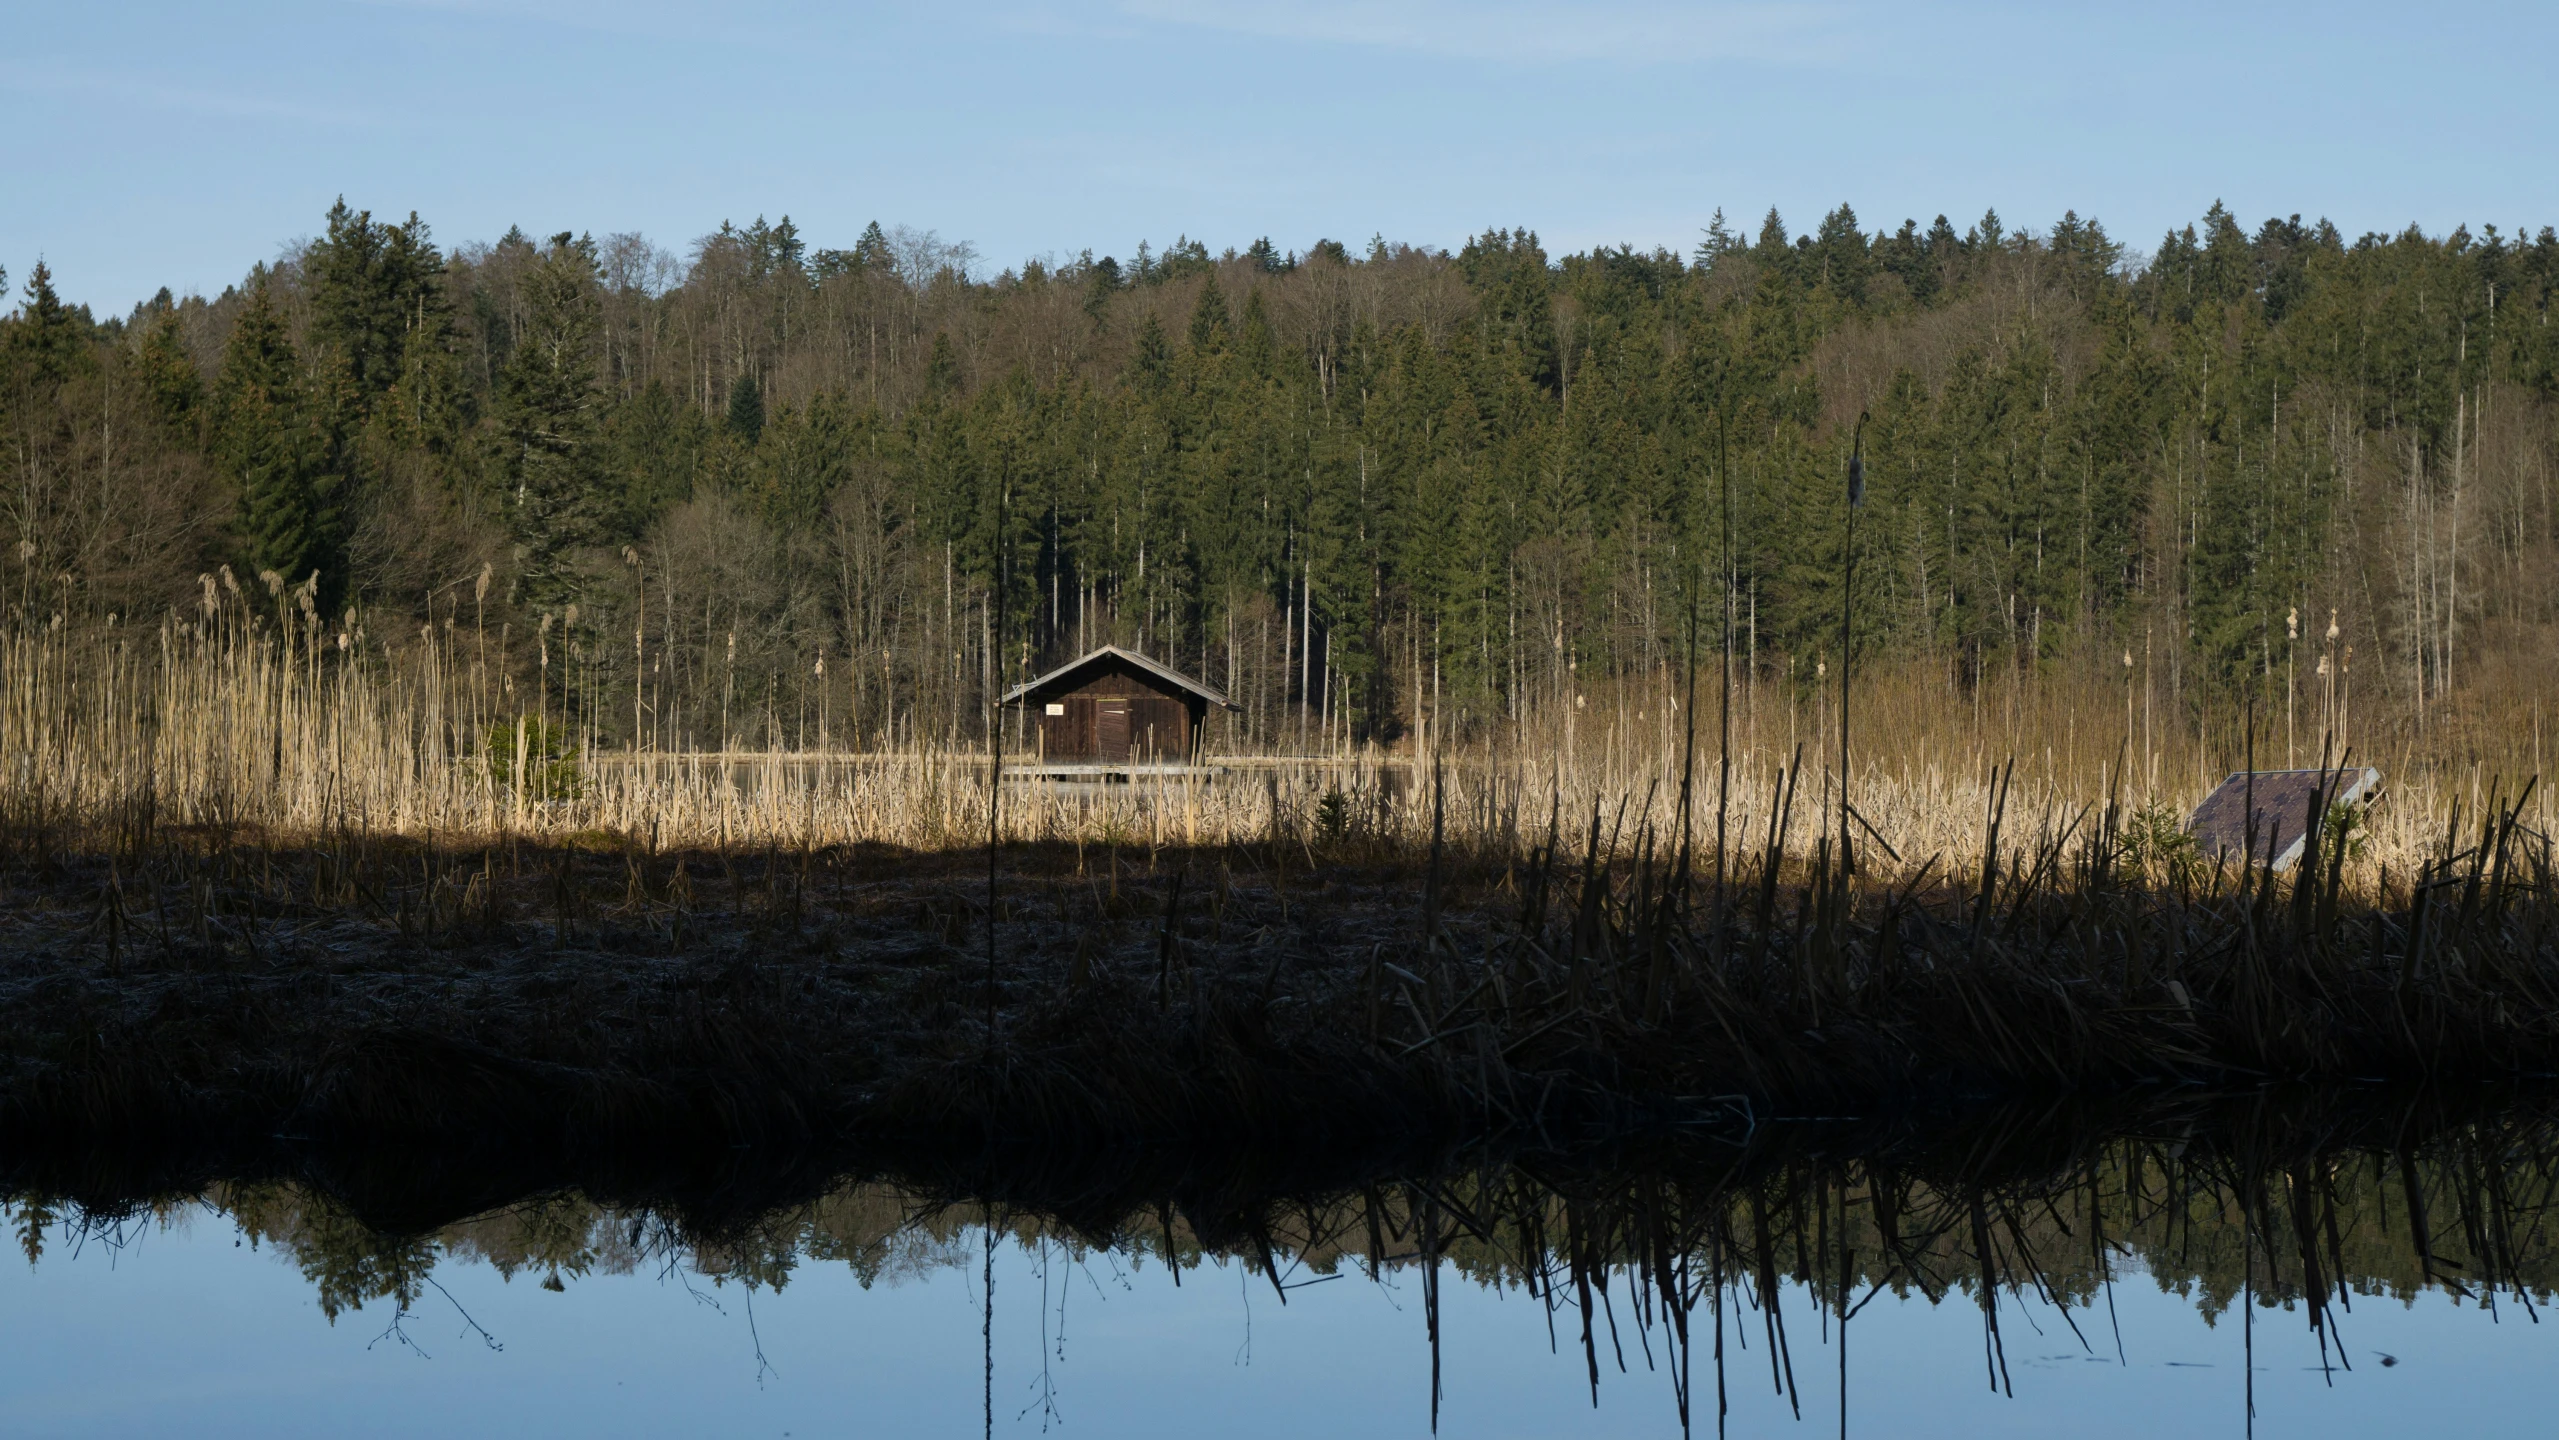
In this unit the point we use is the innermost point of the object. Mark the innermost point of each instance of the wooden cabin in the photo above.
(1116, 707)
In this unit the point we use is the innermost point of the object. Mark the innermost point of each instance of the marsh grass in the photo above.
(280, 725)
(258, 878)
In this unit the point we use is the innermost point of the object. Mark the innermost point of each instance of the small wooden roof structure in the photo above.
(2276, 804)
(1116, 708)
(1075, 673)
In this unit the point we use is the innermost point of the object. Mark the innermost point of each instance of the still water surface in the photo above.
(267, 1310)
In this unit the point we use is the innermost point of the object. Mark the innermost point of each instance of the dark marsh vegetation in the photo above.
(1315, 990)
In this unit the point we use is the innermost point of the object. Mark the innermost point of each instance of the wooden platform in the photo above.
(1096, 772)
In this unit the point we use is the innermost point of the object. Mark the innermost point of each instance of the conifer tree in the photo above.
(169, 375)
(1208, 319)
(264, 444)
(1150, 367)
(546, 416)
(871, 252)
(746, 409)
(44, 342)
(1257, 349)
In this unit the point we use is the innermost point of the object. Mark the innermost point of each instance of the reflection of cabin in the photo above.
(1115, 707)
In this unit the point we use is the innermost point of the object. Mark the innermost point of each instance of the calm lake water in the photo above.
(271, 1309)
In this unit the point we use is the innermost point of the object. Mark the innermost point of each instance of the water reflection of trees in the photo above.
(1661, 1257)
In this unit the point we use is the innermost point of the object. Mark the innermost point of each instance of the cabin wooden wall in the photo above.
(1118, 717)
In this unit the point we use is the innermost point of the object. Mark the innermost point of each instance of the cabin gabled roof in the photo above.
(1069, 670)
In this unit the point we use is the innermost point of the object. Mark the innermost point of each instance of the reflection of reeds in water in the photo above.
(285, 724)
(1713, 1265)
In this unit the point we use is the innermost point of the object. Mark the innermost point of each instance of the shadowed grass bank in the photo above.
(1341, 996)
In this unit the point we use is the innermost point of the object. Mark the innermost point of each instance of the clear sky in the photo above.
(177, 143)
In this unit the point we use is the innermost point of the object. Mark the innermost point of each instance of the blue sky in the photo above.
(176, 144)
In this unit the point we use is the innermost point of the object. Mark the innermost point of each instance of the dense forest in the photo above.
(1359, 487)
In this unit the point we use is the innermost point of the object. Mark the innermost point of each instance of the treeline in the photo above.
(1357, 489)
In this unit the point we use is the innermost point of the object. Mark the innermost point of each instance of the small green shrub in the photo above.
(2156, 842)
(2343, 829)
(1333, 815)
(550, 760)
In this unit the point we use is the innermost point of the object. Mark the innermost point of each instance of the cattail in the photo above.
(230, 582)
(273, 582)
(479, 587)
(2292, 623)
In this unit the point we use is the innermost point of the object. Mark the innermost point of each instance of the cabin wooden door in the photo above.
(1111, 731)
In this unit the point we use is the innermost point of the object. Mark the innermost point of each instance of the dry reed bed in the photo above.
(284, 725)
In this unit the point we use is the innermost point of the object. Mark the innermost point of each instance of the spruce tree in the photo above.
(1208, 319)
(356, 298)
(1150, 367)
(169, 375)
(1258, 349)
(871, 252)
(264, 445)
(547, 417)
(746, 409)
(44, 342)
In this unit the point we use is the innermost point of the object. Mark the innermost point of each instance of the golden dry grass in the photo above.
(289, 728)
